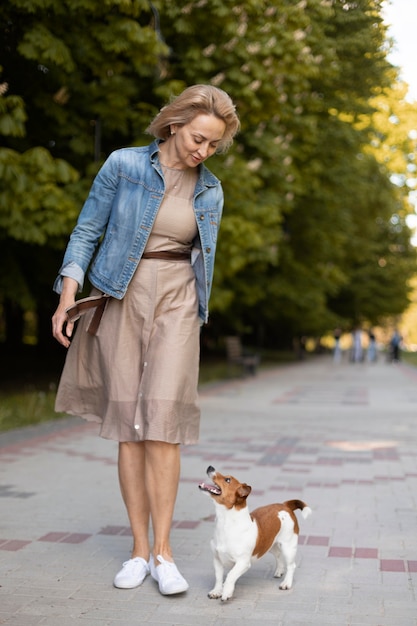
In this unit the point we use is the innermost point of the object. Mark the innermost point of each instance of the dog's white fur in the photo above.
(241, 537)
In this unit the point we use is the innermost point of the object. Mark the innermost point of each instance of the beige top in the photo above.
(175, 226)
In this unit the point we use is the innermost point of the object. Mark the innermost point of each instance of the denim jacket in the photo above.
(118, 215)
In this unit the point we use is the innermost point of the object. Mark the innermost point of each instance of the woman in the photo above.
(154, 213)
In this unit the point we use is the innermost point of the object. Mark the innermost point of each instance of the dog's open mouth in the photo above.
(214, 489)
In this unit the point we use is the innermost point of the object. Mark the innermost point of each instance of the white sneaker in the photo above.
(132, 574)
(167, 576)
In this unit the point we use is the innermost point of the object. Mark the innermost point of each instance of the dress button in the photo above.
(145, 364)
(137, 426)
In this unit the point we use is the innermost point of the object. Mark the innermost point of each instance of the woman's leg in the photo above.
(149, 474)
(162, 477)
(162, 461)
(132, 478)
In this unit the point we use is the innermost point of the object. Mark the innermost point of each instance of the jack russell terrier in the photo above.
(241, 537)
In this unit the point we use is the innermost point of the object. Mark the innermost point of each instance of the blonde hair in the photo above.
(193, 101)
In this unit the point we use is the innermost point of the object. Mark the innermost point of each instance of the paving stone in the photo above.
(342, 437)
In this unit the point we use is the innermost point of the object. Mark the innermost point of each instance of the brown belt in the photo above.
(167, 255)
(80, 307)
(98, 303)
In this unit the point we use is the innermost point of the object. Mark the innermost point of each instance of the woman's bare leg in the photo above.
(132, 479)
(162, 477)
(149, 474)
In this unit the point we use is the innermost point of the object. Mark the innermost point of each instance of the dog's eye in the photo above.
(227, 480)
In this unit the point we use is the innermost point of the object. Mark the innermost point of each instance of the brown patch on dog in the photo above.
(233, 493)
(269, 524)
(294, 505)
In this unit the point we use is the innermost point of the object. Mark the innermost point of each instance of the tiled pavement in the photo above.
(343, 437)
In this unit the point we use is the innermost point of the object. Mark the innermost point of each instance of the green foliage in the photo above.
(35, 193)
(12, 115)
(73, 74)
(314, 232)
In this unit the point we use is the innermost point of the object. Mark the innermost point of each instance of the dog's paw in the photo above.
(228, 591)
(227, 597)
(214, 594)
(279, 572)
(285, 585)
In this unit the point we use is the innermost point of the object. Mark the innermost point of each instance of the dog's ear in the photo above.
(244, 490)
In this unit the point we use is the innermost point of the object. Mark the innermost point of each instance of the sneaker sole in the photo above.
(173, 593)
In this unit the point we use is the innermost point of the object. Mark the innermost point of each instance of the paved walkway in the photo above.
(343, 437)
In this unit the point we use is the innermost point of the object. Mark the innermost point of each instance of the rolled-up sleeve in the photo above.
(72, 270)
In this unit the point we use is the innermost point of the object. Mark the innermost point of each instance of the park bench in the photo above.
(237, 356)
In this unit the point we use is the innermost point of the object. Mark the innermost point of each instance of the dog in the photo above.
(241, 537)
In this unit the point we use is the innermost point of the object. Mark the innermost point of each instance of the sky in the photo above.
(401, 15)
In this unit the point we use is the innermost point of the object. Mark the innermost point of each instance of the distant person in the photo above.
(357, 349)
(395, 345)
(371, 346)
(337, 351)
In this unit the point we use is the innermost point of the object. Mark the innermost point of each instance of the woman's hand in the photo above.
(60, 318)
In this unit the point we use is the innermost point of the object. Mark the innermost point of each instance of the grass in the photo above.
(29, 400)
(409, 357)
(26, 408)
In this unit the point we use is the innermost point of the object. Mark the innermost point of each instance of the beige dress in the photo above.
(138, 375)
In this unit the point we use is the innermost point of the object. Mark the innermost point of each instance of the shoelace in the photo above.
(171, 568)
(133, 564)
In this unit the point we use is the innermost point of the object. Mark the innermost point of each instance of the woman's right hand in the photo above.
(60, 318)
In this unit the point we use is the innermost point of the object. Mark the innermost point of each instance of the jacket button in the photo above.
(202, 216)
(208, 250)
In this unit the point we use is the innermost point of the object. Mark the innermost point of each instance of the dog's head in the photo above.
(226, 490)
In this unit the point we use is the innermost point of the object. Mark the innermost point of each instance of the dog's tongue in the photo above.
(209, 488)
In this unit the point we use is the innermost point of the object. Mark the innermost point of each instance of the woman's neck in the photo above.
(168, 156)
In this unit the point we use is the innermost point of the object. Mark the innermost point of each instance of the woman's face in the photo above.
(196, 141)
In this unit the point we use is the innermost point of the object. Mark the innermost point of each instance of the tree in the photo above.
(305, 79)
(313, 220)
(76, 82)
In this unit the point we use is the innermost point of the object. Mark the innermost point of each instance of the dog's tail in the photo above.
(299, 504)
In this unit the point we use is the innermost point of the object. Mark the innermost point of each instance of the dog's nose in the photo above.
(210, 469)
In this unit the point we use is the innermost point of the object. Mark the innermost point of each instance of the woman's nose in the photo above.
(203, 150)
